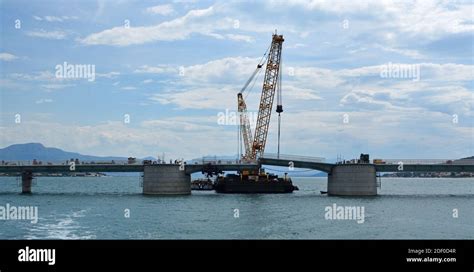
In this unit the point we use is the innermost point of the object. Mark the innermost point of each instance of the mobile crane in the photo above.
(254, 145)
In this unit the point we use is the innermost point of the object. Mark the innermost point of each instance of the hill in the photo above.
(30, 151)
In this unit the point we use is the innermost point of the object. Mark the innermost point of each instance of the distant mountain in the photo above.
(31, 151)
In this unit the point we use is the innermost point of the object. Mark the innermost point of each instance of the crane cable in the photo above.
(279, 101)
(255, 73)
(253, 84)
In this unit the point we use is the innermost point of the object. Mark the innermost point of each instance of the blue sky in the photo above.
(172, 67)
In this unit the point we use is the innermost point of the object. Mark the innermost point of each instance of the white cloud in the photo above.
(302, 94)
(147, 81)
(406, 96)
(447, 71)
(313, 77)
(145, 69)
(385, 133)
(428, 71)
(69, 17)
(7, 57)
(166, 9)
(433, 18)
(405, 52)
(237, 37)
(200, 21)
(449, 99)
(184, 1)
(11, 84)
(35, 76)
(50, 76)
(50, 18)
(44, 100)
(229, 69)
(296, 46)
(337, 6)
(53, 19)
(236, 70)
(42, 76)
(210, 97)
(176, 29)
(110, 75)
(53, 35)
(429, 18)
(365, 100)
(53, 87)
(129, 88)
(214, 84)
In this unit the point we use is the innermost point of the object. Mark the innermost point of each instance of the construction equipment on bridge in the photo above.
(379, 161)
(250, 181)
(364, 158)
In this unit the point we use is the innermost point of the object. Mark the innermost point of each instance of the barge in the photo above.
(245, 183)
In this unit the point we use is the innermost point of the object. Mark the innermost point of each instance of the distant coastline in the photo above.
(429, 175)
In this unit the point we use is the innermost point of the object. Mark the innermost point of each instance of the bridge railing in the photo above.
(216, 160)
(428, 161)
(293, 157)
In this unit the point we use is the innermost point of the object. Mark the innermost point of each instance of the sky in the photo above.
(390, 78)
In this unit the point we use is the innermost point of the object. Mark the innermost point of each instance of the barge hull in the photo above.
(252, 187)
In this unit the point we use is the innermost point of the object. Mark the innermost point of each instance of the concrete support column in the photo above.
(165, 179)
(26, 180)
(352, 180)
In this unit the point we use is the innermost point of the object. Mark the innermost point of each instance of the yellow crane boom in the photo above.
(255, 146)
(270, 82)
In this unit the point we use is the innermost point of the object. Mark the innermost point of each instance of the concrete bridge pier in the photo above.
(166, 179)
(352, 180)
(26, 181)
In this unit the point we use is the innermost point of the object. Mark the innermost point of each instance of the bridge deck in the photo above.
(193, 168)
(321, 166)
(189, 168)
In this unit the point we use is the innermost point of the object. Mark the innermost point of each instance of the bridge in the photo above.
(293, 161)
(399, 166)
(351, 178)
(122, 168)
(355, 178)
(157, 178)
